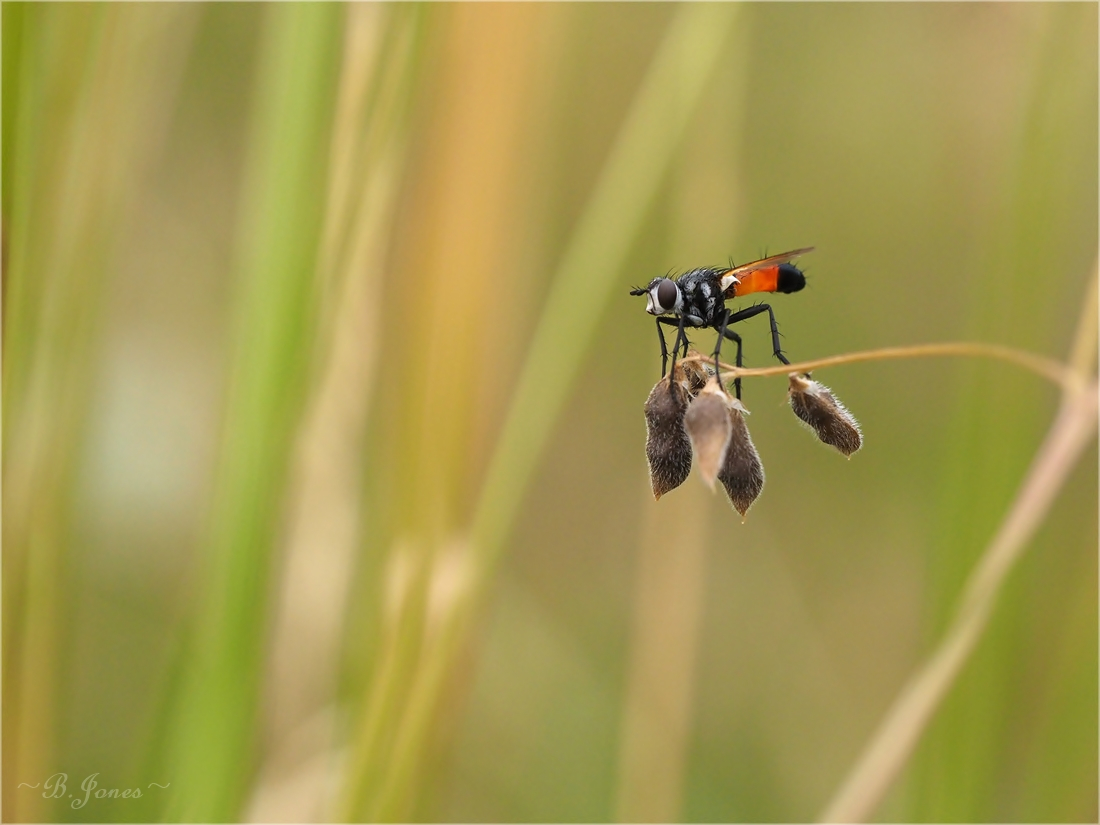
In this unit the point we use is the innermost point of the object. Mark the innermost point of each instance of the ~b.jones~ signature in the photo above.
(56, 787)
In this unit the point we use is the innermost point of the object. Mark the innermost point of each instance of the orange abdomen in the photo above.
(762, 280)
(779, 278)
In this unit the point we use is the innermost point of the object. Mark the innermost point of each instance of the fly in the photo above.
(698, 299)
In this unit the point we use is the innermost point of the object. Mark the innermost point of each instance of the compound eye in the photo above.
(667, 293)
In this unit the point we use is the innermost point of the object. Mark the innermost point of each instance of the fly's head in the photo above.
(663, 296)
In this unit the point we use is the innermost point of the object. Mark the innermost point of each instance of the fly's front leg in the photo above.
(680, 336)
(664, 348)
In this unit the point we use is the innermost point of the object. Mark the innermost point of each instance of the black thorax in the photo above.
(702, 291)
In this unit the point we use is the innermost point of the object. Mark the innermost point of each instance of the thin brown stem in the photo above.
(1046, 367)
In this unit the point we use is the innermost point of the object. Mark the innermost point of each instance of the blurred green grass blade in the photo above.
(12, 16)
(93, 87)
(957, 770)
(209, 747)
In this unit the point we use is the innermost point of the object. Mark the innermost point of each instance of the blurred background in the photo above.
(325, 494)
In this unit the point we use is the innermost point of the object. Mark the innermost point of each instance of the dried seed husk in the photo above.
(742, 472)
(818, 408)
(708, 425)
(693, 376)
(667, 446)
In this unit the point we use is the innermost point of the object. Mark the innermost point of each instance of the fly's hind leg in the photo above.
(749, 312)
(733, 336)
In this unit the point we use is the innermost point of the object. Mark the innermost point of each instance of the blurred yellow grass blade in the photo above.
(208, 752)
(591, 262)
(466, 199)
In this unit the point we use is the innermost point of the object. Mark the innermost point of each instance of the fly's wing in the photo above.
(728, 278)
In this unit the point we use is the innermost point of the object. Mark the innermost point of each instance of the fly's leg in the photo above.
(724, 332)
(664, 348)
(681, 337)
(744, 314)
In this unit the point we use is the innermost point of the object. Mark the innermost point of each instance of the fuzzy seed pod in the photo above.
(667, 445)
(742, 472)
(818, 408)
(708, 425)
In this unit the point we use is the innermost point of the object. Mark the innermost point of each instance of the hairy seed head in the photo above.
(818, 408)
(667, 445)
(742, 472)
